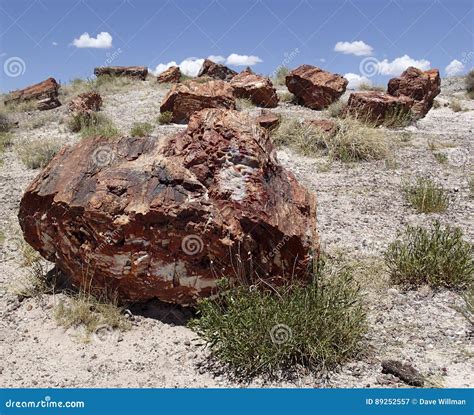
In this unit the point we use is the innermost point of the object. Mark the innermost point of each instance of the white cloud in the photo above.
(242, 60)
(356, 80)
(216, 58)
(454, 68)
(55, 43)
(102, 41)
(189, 66)
(358, 48)
(398, 65)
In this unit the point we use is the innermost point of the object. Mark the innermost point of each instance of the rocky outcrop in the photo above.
(171, 75)
(421, 86)
(378, 107)
(256, 88)
(184, 99)
(268, 120)
(45, 93)
(216, 71)
(167, 218)
(134, 72)
(84, 104)
(315, 88)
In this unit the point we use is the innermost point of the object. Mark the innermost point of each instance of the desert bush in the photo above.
(437, 256)
(467, 309)
(244, 103)
(141, 129)
(37, 154)
(280, 75)
(165, 117)
(286, 97)
(254, 331)
(38, 281)
(455, 105)
(77, 86)
(469, 81)
(425, 196)
(336, 109)
(92, 124)
(24, 106)
(436, 104)
(440, 158)
(109, 84)
(5, 123)
(369, 87)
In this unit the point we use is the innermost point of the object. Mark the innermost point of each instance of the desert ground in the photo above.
(360, 209)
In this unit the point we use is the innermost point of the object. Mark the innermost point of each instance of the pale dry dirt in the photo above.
(361, 208)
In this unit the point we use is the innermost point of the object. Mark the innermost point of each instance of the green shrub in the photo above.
(264, 332)
(165, 117)
(141, 129)
(93, 124)
(425, 196)
(436, 256)
(37, 154)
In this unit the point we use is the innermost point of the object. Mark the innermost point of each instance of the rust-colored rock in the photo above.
(45, 93)
(256, 88)
(167, 218)
(171, 75)
(134, 72)
(185, 98)
(216, 71)
(314, 87)
(268, 120)
(421, 86)
(326, 126)
(378, 107)
(85, 104)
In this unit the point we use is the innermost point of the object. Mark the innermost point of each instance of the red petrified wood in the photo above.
(45, 93)
(256, 88)
(216, 71)
(170, 75)
(136, 72)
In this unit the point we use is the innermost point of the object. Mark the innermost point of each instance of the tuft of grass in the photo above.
(467, 309)
(165, 117)
(93, 124)
(369, 87)
(184, 78)
(37, 154)
(244, 103)
(469, 81)
(5, 141)
(37, 282)
(436, 104)
(425, 196)
(287, 97)
(109, 84)
(141, 129)
(280, 75)
(437, 256)
(441, 158)
(336, 109)
(254, 331)
(5, 123)
(470, 184)
(24, 106)
(455, 105)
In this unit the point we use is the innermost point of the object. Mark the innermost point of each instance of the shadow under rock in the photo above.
(165, 312)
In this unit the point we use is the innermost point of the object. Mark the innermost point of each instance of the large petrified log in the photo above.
(184, 99)
(216, 71)
(45, 93)
(421, 86)
(135, 72)
(170, 75)
(85, 104)
(256, 88)
(167, 218)
(315, 88)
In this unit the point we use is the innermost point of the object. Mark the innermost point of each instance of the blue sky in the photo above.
(375, 39)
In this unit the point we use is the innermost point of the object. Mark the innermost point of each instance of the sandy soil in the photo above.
(361, 207)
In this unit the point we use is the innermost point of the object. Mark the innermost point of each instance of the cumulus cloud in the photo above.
(217, 58)
(102, 41)
(242, 60)
(355, 80)
(358, 48)
(398, 65)
(454, 68)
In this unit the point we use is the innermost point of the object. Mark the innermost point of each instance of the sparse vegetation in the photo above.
(37, 154)
(244, 103)
(436, 104)
(264, 332)
(455, 105)
(336, 109)
(467, 309)
(93, 124)
(24, 106)
(425, 196)
(141, 129)
(441, 158)
(37, 281)
(5, 123)
(470, 84)
(437, 256)
(369, 87)
(165, 117)
(286, 97)
(280, 75)
(470, 183)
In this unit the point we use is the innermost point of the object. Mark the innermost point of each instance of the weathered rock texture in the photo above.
(171, 75)
(403, 371)
(167, 218)
(216, 71)
(86, 103)
(184, 99)
(378, 107)
(45, 93)
(135, 72)
(421, 86)
(256, 88)
(268, 120)
(315, 88)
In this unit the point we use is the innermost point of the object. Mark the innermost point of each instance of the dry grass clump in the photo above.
(455, 105)
(5, 123)
(426, 196)
(37, 154)
(77, 86)
(336, 109)
(165, 117)
(436, 104)
(369, 87)
(280, 75)
(141, 129)
(244, 103)
(438, 256)
(287, 97)
(93, 124)
(469, 81)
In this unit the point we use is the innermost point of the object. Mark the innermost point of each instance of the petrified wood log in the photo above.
(45, 92)
(167, 218)
(136, 72)
(256, 88)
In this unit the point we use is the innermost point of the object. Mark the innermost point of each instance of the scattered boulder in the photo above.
(268, 120)
(171, 75)
(168, 218)
(256, 88)
(185, 98)
(85, 104)
(314, 87)
(134, 72)
(45, 93)
(421, 86)
(216, 71)
(404, 372)
(328, 127)
(378, 107)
